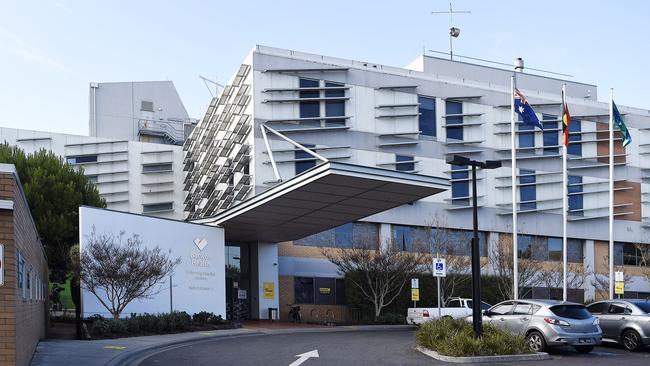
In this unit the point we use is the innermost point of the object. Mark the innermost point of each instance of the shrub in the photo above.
(151, 323)
(455, 337)
(390, 318)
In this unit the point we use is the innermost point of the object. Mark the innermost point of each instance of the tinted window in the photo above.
(550, 137)
(617, 309)
(307, 161)
(453, 304)
(484, 305)
(527, 190)
(427, 119)
(343, 236)
(571, 311)
(502, 309)
(340, 291)
(575, 147)
(454, 133)
(303, 289)
(401, 166)
(643, 305)
(526, 135)
(523, 309)
(460, 188)
(598, 308)
(325, 291)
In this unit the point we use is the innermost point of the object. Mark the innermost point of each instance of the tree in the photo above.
(54, 192)
(118, 271)
(379, 272)
(501, 262)
(552, 278)
(600, 282)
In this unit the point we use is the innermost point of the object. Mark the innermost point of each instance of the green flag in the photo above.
(618, 119)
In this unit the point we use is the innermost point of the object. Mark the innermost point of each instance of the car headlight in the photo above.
(596, 321)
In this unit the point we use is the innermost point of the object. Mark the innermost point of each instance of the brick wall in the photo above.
(23, 320)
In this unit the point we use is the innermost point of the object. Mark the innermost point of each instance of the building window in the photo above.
(575, 146)
(309, 109)
(146, 106)
(319, 290)
(544, 248)
(550, 134)
(427, 118)
(629, 254)
(527, 190)
(343, 235)
(21, 275)
(526, 134)
(158, 207)
(403, 237)
(154, 168)
(335, 108)
(456, 242)
(303, 290)
(574, 189)
(460, 188)
(404, 163)
(304, 160)
(82, 159)
(454, 133)
(358, 234)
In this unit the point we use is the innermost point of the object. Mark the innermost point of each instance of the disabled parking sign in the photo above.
(439, 267)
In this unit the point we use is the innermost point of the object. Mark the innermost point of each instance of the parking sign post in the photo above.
(439, 270)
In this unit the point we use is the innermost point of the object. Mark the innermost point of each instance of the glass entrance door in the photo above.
(237, 281)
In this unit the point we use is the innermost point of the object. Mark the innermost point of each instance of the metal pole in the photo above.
(565, 199)
(611, 194)
(171, 296)
(439, 299)
(513, 163)
(476, 263)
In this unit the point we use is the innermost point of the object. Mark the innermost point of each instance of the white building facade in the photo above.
(411, 119)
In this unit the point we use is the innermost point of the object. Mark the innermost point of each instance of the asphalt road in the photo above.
(380, 347)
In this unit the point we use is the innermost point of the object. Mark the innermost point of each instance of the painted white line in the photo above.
(304, 357)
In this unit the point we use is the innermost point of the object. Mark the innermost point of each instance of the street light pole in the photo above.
(477, 314)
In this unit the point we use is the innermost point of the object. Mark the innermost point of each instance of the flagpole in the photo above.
(611, 193)
(565, 198)
(513, 163)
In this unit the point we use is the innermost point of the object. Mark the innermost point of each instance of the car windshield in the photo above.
(643, 305)
(484, 305)
(571, 311)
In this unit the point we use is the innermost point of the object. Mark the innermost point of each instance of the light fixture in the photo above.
(454, 32)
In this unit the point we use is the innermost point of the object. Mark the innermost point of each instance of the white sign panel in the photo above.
(415, 283)
(242, 294)
(199, 280)
(2, 264)
(619, 277)
(439, 267)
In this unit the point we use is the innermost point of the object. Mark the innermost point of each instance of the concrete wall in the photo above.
(198, 281)
(23, 310)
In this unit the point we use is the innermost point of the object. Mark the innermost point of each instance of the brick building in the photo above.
(23, 282)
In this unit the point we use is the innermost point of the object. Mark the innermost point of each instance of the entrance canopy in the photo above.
(324, 197)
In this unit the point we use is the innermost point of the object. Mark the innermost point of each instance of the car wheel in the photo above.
(536, 341)
(631, 340)
(584, 349)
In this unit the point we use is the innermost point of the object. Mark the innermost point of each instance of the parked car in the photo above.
(455, 307)
(547, 323)
(624, 321)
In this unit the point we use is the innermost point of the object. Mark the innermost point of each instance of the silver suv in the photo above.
(547, 323)
(624, 321)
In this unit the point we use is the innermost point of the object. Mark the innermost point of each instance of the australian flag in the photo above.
(525, 111)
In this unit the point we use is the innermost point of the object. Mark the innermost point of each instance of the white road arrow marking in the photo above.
(304, 357)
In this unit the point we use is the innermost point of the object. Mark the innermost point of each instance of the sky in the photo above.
(50, 50)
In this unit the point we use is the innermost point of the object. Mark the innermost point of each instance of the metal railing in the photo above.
(171, 131)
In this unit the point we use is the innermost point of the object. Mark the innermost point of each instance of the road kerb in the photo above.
(484, 359)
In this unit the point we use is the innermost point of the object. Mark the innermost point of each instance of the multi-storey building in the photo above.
(133, 153)
(411, 119)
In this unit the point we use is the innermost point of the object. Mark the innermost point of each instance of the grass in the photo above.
(455, 337)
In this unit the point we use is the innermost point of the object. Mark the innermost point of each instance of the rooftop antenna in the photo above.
(215, 83)
(454, 32)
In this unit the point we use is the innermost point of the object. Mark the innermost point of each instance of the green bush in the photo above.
(390, 318)
(151, 323)
(455, 337)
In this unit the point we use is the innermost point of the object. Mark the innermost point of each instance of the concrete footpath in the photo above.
(130, 351)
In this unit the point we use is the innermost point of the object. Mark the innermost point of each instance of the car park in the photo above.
(547, 323)
(625, 321)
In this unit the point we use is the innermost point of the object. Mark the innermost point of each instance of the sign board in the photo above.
(415, 294)
(415, 283)
(241, 294)
(439, 267)
(324, 290)
(619, 288)
(619, 277)
(2, 265)
(269, 290)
